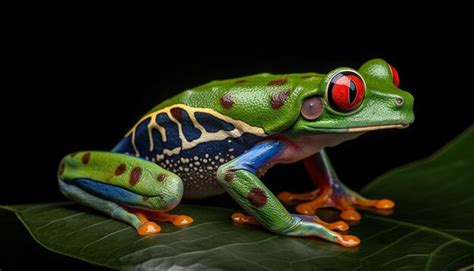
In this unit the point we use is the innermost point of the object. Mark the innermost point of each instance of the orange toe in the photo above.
(305, 209)
(239, 218)
(384, 204)
(148, 228)
(350, 215)
(181, 220)
(243, 219)
(339, 225)
(284, 196)
(348, 240)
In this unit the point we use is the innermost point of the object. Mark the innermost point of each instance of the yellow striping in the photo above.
(240, 128)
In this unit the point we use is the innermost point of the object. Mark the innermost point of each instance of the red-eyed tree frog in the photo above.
(222, 136)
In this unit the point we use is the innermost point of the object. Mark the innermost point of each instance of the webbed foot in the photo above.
(339, 197)
(146, 227)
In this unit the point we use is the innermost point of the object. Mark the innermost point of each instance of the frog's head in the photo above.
(347, 100)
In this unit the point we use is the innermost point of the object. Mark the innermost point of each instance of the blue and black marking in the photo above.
(190, 132)
(213, 124)
(172, 132)
(198, 165)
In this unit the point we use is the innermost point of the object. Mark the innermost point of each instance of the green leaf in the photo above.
(431, 229)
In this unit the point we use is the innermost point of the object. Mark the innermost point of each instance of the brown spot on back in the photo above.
(73, 154)
(62, 167)
(257, 197)
(120, 170)
(279, 99)
(145, 198)
(278, 82)
(176, 113)
(227, 101)
(240, 81)
(229, 176)
(161, 177)
(86, 157)
(135, 176)
(306, 76)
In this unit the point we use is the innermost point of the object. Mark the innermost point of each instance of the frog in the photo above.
(223, 136)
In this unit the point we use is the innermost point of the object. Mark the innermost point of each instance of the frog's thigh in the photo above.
(109, 181)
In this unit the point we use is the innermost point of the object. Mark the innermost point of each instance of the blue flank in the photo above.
(227, 149)
(258, 156)
(109, 192)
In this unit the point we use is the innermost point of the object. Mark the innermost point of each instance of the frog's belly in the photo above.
(197, 167)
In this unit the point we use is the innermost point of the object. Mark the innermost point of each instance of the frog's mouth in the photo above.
(358, 129)
(376, 127)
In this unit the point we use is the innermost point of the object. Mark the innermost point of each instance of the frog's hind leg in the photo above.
(331, 193)
(125, 187)
(137, 220)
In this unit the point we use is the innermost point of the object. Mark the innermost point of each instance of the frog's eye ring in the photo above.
(396, 79)
(312, 108)
(346, 91)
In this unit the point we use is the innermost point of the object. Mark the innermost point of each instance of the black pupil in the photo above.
(352, 91)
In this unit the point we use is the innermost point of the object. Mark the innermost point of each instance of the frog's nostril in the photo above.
(399, 101)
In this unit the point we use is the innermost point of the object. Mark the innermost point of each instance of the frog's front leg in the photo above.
(331, 192)
(239, 179)
(127, 188)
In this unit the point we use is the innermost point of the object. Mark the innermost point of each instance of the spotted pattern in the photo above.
(161, 177)
(227, 101)
(120, 170)
(278, 82)
(135, 176)
(279, 99)
(86, 158)
(257, 197)
(229, 176)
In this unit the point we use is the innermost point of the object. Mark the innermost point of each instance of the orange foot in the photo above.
(146, 227)
(245, 219)
(345, 201)
(177, 220)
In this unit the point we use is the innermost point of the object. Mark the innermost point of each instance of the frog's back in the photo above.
(195, 132)
(263, 100)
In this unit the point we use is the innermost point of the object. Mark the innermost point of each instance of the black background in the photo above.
(83, 90)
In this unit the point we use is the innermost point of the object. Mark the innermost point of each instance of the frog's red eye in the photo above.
(396, 79)
(312, 108)
(346, 91)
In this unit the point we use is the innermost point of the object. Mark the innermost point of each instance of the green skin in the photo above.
(287, 137)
